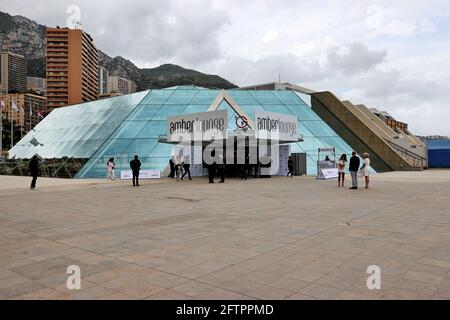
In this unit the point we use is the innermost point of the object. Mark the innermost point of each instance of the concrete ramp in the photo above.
(365, 134)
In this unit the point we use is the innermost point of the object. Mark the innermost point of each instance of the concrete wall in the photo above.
(363, 135)
(404, 140)
(375, 119)
(349, 136)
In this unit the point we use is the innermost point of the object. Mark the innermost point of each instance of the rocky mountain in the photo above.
(169, 75)
(27, 37)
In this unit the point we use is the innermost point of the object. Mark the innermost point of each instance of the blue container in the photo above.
(438, 153)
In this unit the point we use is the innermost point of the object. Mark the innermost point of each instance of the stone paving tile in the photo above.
(350, 295)
(442, 293)
(13, 279)
(221, 277)
(102, 277)
(42, 294)
(285, 245)
(242, 286)
(116, 296)
(336, 282)
(194, 288)
(271, 293)
(436, 262)
(320, 292)
(58, 282)
(6, 274)
(200, 270)
(305, 274)
(409, 285)
(219, 294)
(261, 277)
(95, 292)
(360, 287)
(137, 289)
(399, 294)
(288, 283)
(12, 292)
(168, 294)
(300, 296)
(426, 273)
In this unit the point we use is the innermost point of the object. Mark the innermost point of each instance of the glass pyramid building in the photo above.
(123, 126)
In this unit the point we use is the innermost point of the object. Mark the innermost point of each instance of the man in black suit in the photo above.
(34, 171)
(172, 168)
(135, 166)
(353, 168)
(221, 167)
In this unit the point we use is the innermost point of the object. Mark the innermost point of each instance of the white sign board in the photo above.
(143, 174)
(330, 173)
(276, 126)
(197, 126)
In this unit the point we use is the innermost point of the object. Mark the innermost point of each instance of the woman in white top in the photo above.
(341, 170)
(111, 167)
(365, 169)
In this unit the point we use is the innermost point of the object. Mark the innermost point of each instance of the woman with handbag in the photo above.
(111, 167)
(341, 170)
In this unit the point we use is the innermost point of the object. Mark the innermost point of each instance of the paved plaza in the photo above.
(272, 238)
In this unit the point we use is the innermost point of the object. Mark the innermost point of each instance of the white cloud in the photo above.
(398, 28)
(270, 36)
(354, 58)
(384, 53)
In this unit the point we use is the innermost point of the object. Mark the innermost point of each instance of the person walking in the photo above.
(365, 169)
(172, 167)
(290, 167)
(341, 170)
(353, 168)
(34, 171)
(187, 167)
(111, 167)
(135, 166)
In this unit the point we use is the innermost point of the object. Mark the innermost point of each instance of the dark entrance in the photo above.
(243, 162)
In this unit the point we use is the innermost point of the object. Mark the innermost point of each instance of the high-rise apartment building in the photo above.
(103, 80)
(72, 67)
(13, 71)
(25, 109)
(120, 85)
(37, 85)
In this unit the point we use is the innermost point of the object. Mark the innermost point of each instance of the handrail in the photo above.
(415, 157)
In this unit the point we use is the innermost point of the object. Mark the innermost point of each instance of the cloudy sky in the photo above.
(393, 55)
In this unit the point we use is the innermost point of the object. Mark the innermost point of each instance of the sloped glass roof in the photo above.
(316, 133)
(76, 131)
(124, 126)
(139, 133)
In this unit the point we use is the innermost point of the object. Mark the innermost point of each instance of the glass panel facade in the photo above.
(124, 126)
(77, 131)
(139, 133)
